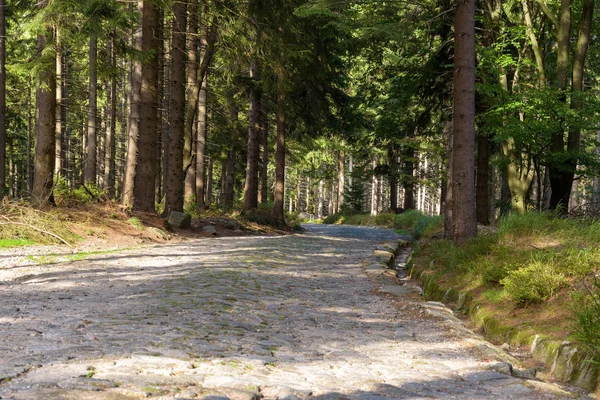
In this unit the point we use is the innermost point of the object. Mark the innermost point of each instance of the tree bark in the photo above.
(209, 184)
(264, 166)
(561, 180)
(144, 183)
(483, 177)
(58, 160)
(133, 129)
(464, 221)
(340, 182)
(2, 98)
(44, 128)
(202, 133)
(279, 194)
(393, 159)
(111, 133)
(251, 184)
(89, 177)
(192, 69)
(175, 174)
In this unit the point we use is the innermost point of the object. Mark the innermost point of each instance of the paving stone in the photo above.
(292, 317)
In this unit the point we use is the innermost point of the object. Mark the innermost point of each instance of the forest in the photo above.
(467, 109)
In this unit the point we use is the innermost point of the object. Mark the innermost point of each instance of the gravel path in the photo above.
(287, 317)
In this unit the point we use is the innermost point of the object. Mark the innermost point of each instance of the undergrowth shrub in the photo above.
(587, 317)
(533, 283)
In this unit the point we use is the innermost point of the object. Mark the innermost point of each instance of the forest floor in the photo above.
(243, 317)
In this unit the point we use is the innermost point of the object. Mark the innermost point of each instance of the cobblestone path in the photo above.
(289, 317)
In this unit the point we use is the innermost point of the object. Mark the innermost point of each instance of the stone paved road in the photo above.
(287, 317)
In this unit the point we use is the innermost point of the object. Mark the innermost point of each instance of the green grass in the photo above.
(532, 266)
(6, 243)
(411, 222)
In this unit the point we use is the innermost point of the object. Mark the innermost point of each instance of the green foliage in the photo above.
(587, 316)
(533, 283)
(416, 223)
(136, 223)
(22, 225)
(82, 194)
(6, 243)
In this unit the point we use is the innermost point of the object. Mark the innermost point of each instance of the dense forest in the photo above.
(468, 109)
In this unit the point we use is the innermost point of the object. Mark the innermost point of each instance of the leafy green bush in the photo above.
(533, 283)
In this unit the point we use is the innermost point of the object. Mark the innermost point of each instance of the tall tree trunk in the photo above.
(202, 133)
(44, 127)
(319, 210)
(464, 221)
(279, 194)
(29, 142)
(175, 174)
(483, 176)
(192, 69)
(209, 184)
(264, 166)
(133, 127)
(58, 157)
(89, 177)
(2, 97)
(111, 143)
(408, 166)
(393, 159)
(251, 184)
(374, 183)
(340, 182)
(561, 176)
(229, 170)
(144, 184)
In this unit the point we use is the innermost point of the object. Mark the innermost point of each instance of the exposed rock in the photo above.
(209, 229)
(159, 233)
(180, 220)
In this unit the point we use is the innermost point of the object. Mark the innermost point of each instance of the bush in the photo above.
(533, 283)
(587, 317)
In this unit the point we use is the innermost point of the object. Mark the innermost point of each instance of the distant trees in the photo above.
(302, 106)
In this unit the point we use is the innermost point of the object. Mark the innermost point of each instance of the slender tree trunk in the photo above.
(44, 128)
(561, 179)
(393, 158)
(58, 166)
(192, 69)
(90, 159)
(164, 96)
(279, 194)
(29, 142)
(2, 97)
(464, 221)
(175, 173)
(251, 184)
(340, 182)
(145, 175)
(264, 166)
(133, 130)
(483, 177)
(111, 140)
(202, 133)
(374, 183)
(209, 184)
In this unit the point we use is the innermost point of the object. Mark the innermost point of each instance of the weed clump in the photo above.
(21, 222)
(533, 283)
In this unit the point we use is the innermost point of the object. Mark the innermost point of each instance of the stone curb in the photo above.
(567, 363)
(381, 267)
